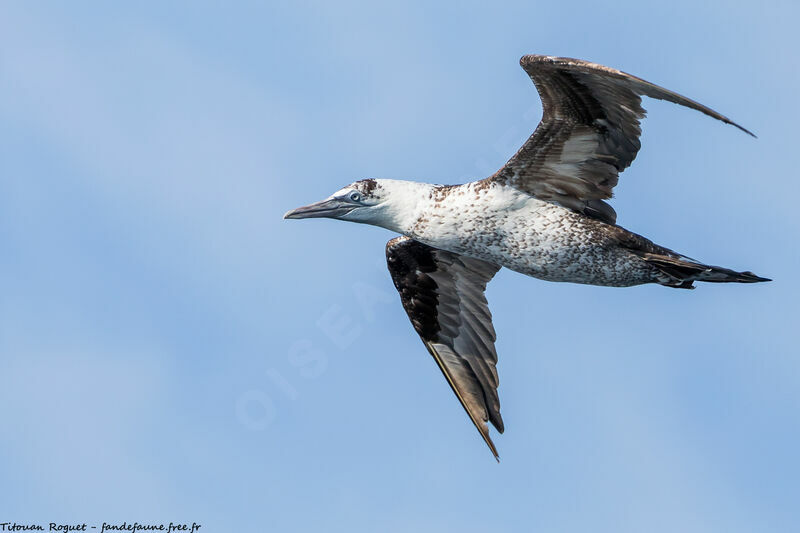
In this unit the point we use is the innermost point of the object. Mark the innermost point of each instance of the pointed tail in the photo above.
(681, 272)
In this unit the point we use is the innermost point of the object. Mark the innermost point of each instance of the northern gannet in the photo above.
(542, 214)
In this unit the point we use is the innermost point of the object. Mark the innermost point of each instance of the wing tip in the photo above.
(750, 133)
(529, 59)
(726, 120)
(482, 427)
(490, 444)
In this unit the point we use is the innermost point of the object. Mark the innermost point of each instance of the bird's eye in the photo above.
(356, 197)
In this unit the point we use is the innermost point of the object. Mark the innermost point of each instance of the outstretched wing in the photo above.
(589, 133)
(443, 294)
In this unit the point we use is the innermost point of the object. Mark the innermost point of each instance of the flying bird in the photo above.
(543, 214)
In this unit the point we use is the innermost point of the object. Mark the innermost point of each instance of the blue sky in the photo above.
(171, 349)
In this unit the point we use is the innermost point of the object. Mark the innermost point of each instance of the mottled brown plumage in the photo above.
(543, 214)
(589, 133)
(442, 294)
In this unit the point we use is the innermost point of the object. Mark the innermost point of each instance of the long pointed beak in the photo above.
(328, 208)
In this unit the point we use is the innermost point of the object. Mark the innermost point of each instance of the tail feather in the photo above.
(681, 272)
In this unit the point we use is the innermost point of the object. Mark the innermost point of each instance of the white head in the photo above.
(391, 204)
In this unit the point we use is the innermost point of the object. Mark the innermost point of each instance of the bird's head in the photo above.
(379, 202)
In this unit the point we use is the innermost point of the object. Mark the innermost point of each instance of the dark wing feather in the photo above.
(443, 295)
(589, 133)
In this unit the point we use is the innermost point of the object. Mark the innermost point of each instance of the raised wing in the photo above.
(443, 294)
(589, 133)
